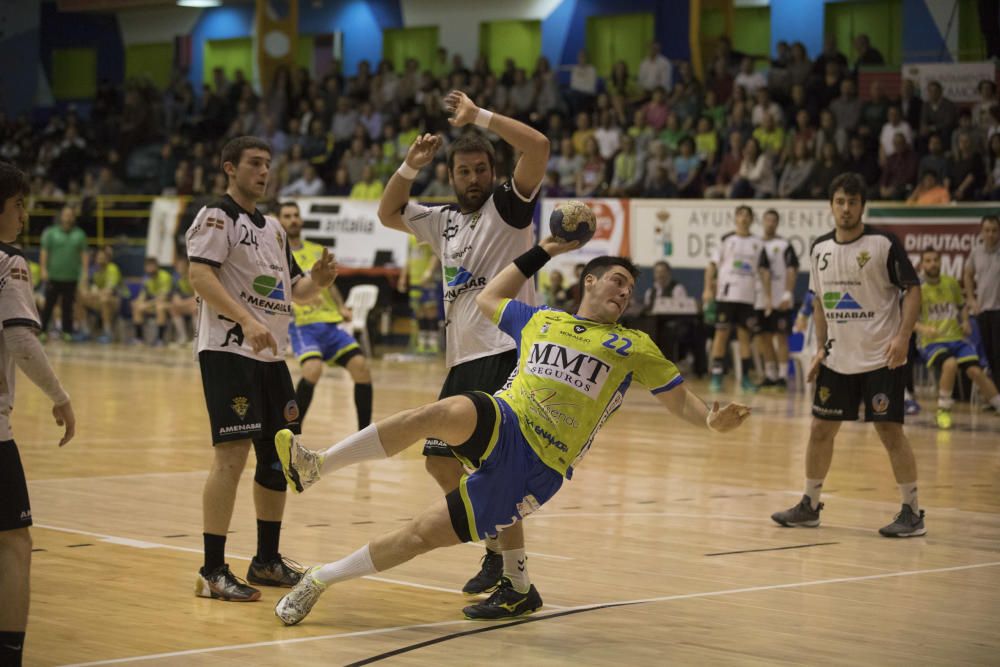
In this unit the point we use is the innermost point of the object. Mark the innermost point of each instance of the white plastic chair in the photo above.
(361, 299)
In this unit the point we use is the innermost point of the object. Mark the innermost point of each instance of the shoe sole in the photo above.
(917, 533)
(268, 582)
(203, 590)
(283, 445)
(799, 524)
(500, 618)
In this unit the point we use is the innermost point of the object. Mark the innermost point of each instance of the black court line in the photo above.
(645, 502)
(173, 536)
(316, 525)
(73, 546)
(36, 550)
(360, 523)
(753, 551)
(490, 628)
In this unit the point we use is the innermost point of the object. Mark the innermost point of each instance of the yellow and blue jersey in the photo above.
(572, 375)
(940, 305)
(322, 308)
(157, 286)
(182, 285)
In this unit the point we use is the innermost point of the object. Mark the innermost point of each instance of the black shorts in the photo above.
(838, 396)
(246, 398)
(487, 374)
(734, 312)
(777, 322)
(15, 510)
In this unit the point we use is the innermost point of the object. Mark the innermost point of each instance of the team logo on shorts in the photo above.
(880, 403)
(291, 411)
(579, 328)
(824, 394)
(240, 406)
(863, 258)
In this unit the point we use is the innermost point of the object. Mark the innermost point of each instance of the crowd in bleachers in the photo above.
(780, 128)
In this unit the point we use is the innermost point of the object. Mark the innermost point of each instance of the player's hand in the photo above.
(814, 366)
(422, 150)
(463, 110)
(557, 246)
(967, 327)
(801, 324)
(324, 271)
(347, 313)
(768, 309)
(258, 336)
(64, 417)
(727, 418)
(895, 356)
(785, 304)
(973, 304)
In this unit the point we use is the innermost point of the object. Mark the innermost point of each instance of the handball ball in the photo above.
(573, 221)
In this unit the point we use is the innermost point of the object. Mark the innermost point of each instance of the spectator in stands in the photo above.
(672, 133)
(770, 136)
(830, 54)
(308, 185)
(582, 84)
(640, 130)
(893, 126)
(799, 67)
(874, 111)
(899, 171)
(368, 187)
(552, 185)
(829, 133)
(987, 100)
(583, 132)
(968, 175)
(796, 176)
(867, 54)
(439, 186)
(938, 113)
(555, 293)
(706, 141)
(655, 71)
(628, 171)
(756, 175)
(862, 160)
(739, 120)
(608, 136)
(659, 158)
(590, 179)
(764, 105)
(802, 132)
(65, 266)
(659, 186)
(657, 110)
(828, 88)
(317, 144)
(929, 191)
(965, 126)
(103, 293)
(344, 120)
(153, 299)
(621, 83)
(567, 163)
(846, 108)
(720, 81)
(748, 79)
(935, 160)
(799, 101)
(910, 103)
(687, 170)
(729, 167)
(992, 191)
(355, 159)
(341, 186)
(827, 168)
(549, 98)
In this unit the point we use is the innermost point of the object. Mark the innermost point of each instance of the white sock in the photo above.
(909, 494)
(771, 370)
(358, 564)
(945, 400)
(907, 395)
(995, 402)
(515, 568)
(783, 370)
(814, 487)
(364, 445)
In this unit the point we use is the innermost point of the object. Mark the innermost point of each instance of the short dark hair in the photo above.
(744, 207)
(773, 212)
(472, 141)
(663, 263)
(13, 182)
(928, 249)
(598, 266)
(288, 202)
(233, 150)
(851, 183)
(992, 217)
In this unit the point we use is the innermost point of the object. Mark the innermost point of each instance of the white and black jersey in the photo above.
(738, 260)
(858, 285)
(256, 267)
(17, 309)
(473, 248)
(781, 259)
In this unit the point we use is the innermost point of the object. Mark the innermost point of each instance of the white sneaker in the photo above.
(298, 602)
(302, 467)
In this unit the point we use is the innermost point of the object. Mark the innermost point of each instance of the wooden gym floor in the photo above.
(661, 550)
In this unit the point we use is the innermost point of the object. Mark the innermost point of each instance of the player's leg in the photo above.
(357, 367)
(780, 337)
(986, 386)
(723, 329)
(68, 302)
(432, 529)
(15, 554)
(312, 371)
(947, 366)
(743, 333)
(109, 308)
(161, 308)
(765, 348)
(140, 306)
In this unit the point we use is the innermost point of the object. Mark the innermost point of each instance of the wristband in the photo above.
(530, 262)
(483, 118)
(787, 296)
(407, 172)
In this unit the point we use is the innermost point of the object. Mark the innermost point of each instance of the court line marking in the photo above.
(142, 544)
(542, 615)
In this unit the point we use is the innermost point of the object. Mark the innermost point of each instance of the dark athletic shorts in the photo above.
(15, 510)
(838, 396)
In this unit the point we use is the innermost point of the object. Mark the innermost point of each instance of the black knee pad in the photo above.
(268, 472)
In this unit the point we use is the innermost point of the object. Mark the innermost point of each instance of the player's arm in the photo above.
(711, 272)
(686, 405)
(791, 273)
(205, 281)
(819, 323)
(28, 354)
(969, 282)
(397, 191)
(507, 283)
(320, 277)
(533, 145)
(902, 275)
(85, 272)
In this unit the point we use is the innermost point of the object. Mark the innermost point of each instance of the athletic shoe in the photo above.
(911, 407)
(715, 384)
(990, 409)
(281, 571)
(906, 524)
(746, 384)
(781, 383)
(943, 418)
(488, 577)
(801, 515)
(298, 602)
(222, 584)
(505, 603)
(301, 466)
(767, 383)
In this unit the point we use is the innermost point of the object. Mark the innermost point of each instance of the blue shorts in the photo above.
(323, 340)
(511, 481)
(938, 352)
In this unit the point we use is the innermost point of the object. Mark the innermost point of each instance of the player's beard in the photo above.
(470, 203)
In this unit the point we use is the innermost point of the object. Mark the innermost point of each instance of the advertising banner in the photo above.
(352, 231)
(958, 80)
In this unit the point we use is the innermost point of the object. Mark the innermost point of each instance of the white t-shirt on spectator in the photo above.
(890, 131)
(751, 82)
(656, 73)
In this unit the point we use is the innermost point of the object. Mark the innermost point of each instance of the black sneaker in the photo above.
(505, 603)
(283, 572)
(801, 515)
(488, 577)
(222, 584)
(906, 524)
(781, 384)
